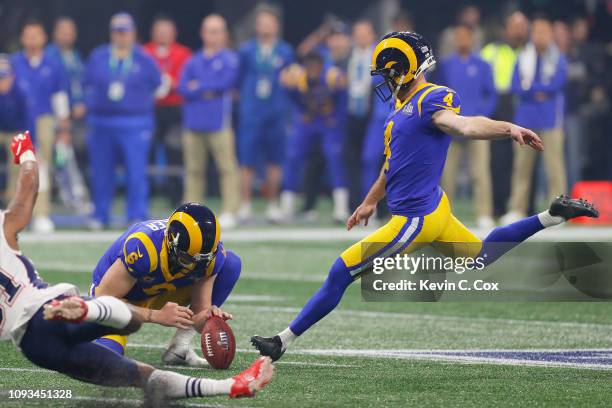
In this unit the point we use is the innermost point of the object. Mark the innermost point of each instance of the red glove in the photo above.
(21, 144)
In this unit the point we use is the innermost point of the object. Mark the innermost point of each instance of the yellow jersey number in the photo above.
(388, 145)
(448, 99)
(160, 288)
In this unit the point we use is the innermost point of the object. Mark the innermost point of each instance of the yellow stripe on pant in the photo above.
(182, 296)
(401, 234)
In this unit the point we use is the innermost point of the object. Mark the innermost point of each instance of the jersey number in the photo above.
(159, 289)
(448, 99)
(8, 292)
(388, 145)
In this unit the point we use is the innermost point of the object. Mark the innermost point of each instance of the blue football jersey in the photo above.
(142, 251)
(415, 151)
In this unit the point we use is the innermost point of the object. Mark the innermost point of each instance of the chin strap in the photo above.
(398, 87)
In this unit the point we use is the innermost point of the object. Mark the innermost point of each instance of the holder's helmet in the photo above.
(192, 236)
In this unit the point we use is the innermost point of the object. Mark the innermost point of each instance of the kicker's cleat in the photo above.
(269, 346)
(568, 208)
(72, 309)
(253, 379)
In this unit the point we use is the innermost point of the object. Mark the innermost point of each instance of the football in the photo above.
(218, 343)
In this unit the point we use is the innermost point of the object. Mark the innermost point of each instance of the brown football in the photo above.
(218, 343)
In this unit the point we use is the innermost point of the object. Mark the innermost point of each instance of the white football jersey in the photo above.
(22, 291)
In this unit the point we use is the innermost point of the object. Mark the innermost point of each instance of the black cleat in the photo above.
(268, 346)
(569, 208)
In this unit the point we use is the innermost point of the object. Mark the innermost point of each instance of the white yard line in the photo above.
(425, 355)
(570, 233)
(429, 354)
(306, 363)
(405, 354)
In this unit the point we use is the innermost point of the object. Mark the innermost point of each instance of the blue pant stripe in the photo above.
(411, 229)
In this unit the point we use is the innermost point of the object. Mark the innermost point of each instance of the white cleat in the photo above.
(511, 217)
(42, 225)
(175, 356)
(274, 214)
(485, 223)
(245, 213)
(228, 220)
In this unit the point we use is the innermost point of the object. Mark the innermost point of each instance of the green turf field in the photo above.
(363, 354)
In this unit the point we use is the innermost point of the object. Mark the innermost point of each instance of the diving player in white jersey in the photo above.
(54, 328)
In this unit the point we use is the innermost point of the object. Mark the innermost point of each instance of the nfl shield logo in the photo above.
(408, 109)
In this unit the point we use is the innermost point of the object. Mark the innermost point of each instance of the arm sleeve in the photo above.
(153, 72)
(185, 77)
(225, 79)
(438, 99)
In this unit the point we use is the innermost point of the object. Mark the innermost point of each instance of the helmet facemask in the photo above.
(181, 259)
(391, 84)
(393, 81)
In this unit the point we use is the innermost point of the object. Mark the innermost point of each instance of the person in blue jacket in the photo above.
(207, 82)
(48, 109)
(62, 48)
(538, 84)
(13, 116)
(472, 77)
(120, 83)
(318, 92)
(263, 110)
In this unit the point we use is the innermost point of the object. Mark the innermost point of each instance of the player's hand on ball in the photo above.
(200, 318)
(363, 212)
(174, 315)
(215, 311)
(21, 144)
(526, 137)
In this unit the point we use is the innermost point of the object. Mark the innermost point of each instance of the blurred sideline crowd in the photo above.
(290, 123)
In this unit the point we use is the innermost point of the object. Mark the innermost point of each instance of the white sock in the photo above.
(181, 386)
(287, 200)
(548, 220)
(341, 202)
(182, 338)
(287, 337)
(108, 311)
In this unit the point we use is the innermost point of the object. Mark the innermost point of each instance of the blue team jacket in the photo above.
(254, 70)
(140, 79)
(541, 114)
(13, 109)
(43, 81)
(472, 78)
(73, 65)
(208, 106)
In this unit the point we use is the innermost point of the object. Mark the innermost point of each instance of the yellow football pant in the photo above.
(401, 234)
(182, 296)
